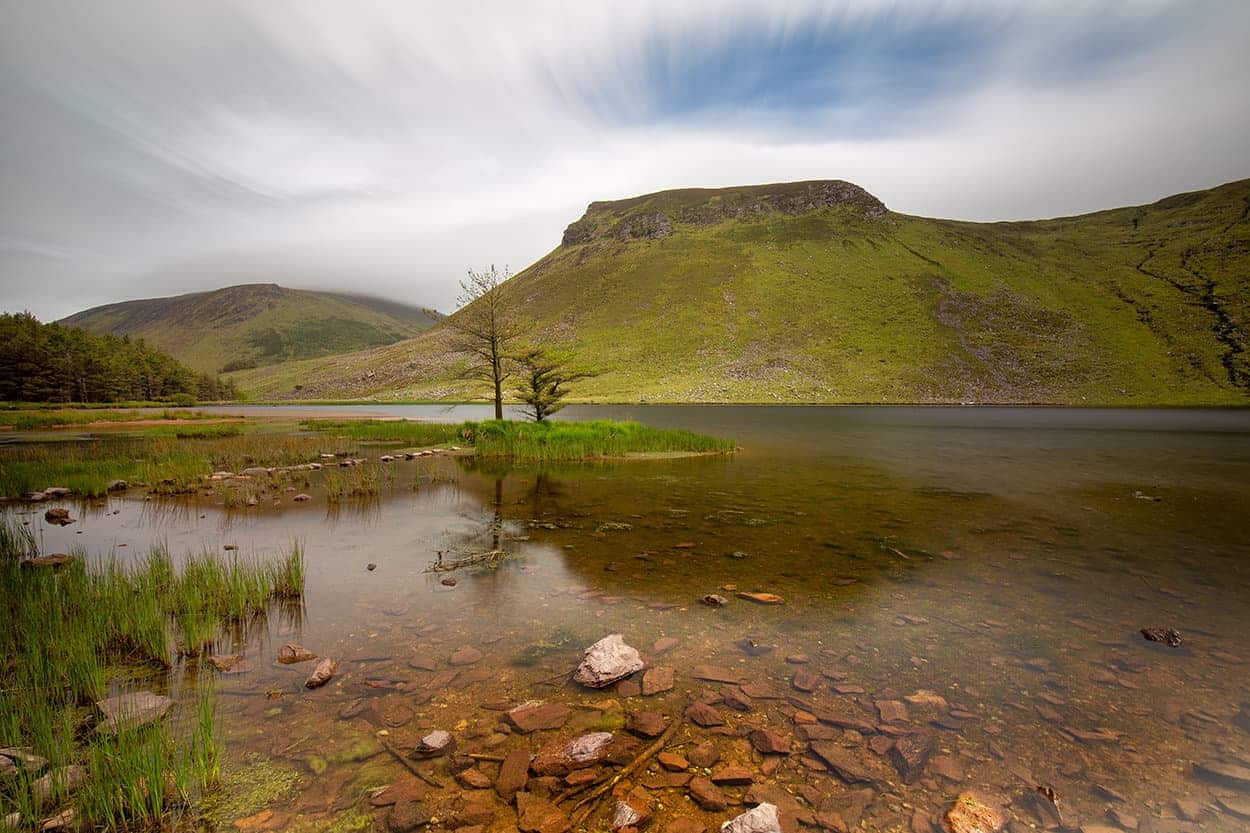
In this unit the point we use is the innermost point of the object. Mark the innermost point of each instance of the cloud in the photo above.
(149, 148)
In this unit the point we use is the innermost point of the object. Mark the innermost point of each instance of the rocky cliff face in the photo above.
(652, 216)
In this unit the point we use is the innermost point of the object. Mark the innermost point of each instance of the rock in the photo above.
(321, 675)
(715, 674)
(704, 754)
(761, 598)
(473, 779)
(656, 680)
(291, 653)
(13, 758)
(909, 754)
(58, 515)
(732, 776)
(805, 681)
(371, 567)
(409, 789)
(1187, 809)
(769, 743)
(754, 648)
(663, 645)
(253, 822)
(55, 561)
(628, 688)
(714, 600)
(735, 698)
(448, 582)
(924, 697)
(434, 744)
(1123, 819)
(704, 715)
(467, 655)
(229, 663)
(562, 756)
(538, 815)
(132, 710)
(36, 497)
(301, 498)
(685, 824)
(1235, 806)
(672, 762)
(631, 812)
(706, 794)
(60, 821)
(763, 818)
(535, 715)
(607, 661)
(1168, 636)
(1231, 774)
(646, 724)
(117, 486)
(892, 711)
(68, 778)
(57, 492)
(406, 816)
(847, 764)
(971, 813)
(513, 773)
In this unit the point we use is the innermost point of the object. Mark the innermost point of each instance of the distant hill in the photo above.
(816, 292)
(253, 325)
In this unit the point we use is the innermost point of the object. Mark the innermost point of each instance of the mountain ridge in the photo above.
(730, 295)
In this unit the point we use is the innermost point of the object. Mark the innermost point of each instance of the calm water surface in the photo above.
(979, 575)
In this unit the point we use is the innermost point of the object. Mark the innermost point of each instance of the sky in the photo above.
(150, 147)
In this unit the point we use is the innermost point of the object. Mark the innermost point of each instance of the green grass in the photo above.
(1134, 306)
(410, 433)
(571, 441)
(29, 419)
(64, 634)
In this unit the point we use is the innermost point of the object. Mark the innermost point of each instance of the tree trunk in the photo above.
(498, 398)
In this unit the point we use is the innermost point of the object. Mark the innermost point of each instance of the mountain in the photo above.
(257, 324)
(816, 292)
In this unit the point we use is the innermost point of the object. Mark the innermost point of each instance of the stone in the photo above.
(69, 778)
(229, 663)
(301, 498)
(406, 816)
(438, 742)
(762, 818)
(685, 824)
(561, 756)
(909, 754)
(408, 789)
(972, 813)
(513, 773)
(714, 600)
(632, 812)
(538, 815)
(535, 715)
(258, 821)
(805, 681)
(1236, 806)
(704, 715)
(13, 758)
(663, 645)
(1123, 819)
(847, 764)
(1231, 774)
(706, 794)
(1167, 636)
(1188, 809)
(769, 743)
(704, 754)
(656, 680)
(473, 779)
(292, 653)
(732, 776)
(892, 711)
(735, 698)
(321, 675)
(672, 762)
(715, 674)
(646, 724)
(58, 515)
(117, 486)
(132, 710)
(607, 661)
(467, 655)
(54, 561)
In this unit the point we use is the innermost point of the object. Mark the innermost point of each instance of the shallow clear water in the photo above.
(1003, 560)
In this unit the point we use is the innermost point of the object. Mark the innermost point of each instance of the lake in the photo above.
(964, 592)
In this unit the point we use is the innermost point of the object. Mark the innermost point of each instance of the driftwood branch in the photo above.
(408, 765)
(591, 801)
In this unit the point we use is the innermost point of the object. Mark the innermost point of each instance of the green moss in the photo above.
(248, 790)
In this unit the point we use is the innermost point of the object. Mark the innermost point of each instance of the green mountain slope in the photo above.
(257, 324)
(815, 292)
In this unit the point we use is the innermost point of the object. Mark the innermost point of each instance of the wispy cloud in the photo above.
(390, 145)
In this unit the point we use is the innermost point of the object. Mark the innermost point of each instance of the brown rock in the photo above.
(321, 675)
(656, 680)
(468, 655)
(762, 598)
(735, 698)
(805, 680)
(473, 779)
(663, 644)
(561, 756)
(732, 776)
(409, 789)
(646, 724)
(707, 795)
(534, 716)
(672, 761)
(513, 773)
(972, 813)
(909, 754)
(715, 674)
(538, 815)
(406, 816)
(685, 824)
(769, 743)
(704, 715)
(704, 754)
(848, 764)
(892, 711)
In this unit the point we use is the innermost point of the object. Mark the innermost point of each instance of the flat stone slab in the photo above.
(132, 710)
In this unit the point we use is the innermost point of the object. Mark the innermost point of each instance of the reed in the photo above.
(572, 441)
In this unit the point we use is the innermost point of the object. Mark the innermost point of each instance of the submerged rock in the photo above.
(434, 744)
(607, 661)
(1168, 636)
(291, 653)
(762, 598)
(760, 819)
(58, 515)
(561, 756)
(1231, 774)
(536, 814)
(54, 561)
(971, 813)
(909, 754)
(535, 715)
(132, 710)
(321, 675)
(714, 600)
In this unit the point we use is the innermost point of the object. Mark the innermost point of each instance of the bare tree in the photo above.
(544, 379)
(487, 325)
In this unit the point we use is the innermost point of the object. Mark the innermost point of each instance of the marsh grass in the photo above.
(33, 418)
(571, 441)
(64, 635)
(363, 480)
(395, 430)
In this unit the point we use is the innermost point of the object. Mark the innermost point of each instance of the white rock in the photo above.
(761, 819)
(607, 661)
(132, 710)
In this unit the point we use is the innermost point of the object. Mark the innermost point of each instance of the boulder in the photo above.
(607, 661)
(769, 743)
(132, 710)
(58, 515)
(760, 819)
(321, 675)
